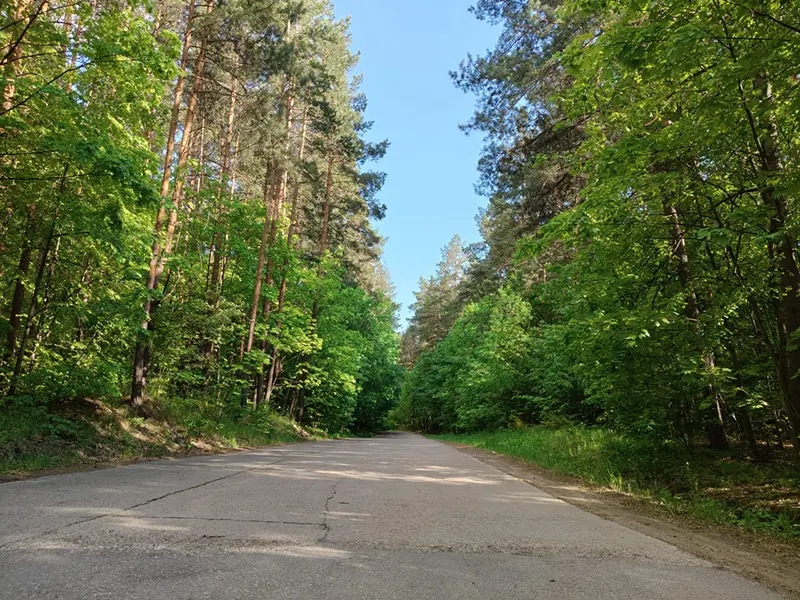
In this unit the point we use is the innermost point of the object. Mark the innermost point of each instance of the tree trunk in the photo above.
(41, 331)
(12, 67)
(262, 253)
(717, 437)
(36, 287)
(144, 342)
(274, 220)
(18, 298)
(326, 211)
(322, 248)
(225, 168)
(184, 152)
(273, 367)
(789, 306)
(278, 201)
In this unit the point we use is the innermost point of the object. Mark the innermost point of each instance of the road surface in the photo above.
(395, 517)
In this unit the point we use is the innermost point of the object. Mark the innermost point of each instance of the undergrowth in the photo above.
(711, 486)
(36, 437)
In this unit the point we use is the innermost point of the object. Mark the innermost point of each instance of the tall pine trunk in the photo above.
(321, 249)
(217, 260)
(144, 344)
(262, 381)
(274, 368)
(262, 253)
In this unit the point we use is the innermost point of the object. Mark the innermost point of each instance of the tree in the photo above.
(438, 303)
(185, 185)
(641, 187)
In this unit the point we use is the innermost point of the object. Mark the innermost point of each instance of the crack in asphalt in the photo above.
(193, 487)
(325, 525)
(199, 485)
(150, 501)
(52, 531)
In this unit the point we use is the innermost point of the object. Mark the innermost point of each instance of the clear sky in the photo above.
(407, 50)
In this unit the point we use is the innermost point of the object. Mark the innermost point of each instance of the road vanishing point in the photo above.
(393, 517)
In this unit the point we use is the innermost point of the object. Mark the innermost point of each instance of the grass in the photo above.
(35, 438)
(710, 486)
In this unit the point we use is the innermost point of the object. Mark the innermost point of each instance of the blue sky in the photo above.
(407, 50)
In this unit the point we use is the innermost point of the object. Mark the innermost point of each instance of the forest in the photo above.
(638, 271)
(187, 227)
(189, 239)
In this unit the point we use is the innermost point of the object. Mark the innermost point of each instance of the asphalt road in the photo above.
(395, 517)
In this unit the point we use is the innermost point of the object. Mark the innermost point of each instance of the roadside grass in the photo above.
(710, 486)
(34, 437)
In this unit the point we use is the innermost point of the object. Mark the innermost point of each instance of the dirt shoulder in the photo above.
(771, 562)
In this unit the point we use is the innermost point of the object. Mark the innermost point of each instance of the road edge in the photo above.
(85, 467)
(774, 564)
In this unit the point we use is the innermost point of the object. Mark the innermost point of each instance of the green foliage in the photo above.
(639, 265)
(471, 380)
(142, 232)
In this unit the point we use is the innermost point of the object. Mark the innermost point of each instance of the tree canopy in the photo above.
(188, 212)
(639, 267)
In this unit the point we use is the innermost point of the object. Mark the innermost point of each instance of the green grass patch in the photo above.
(710, 486)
